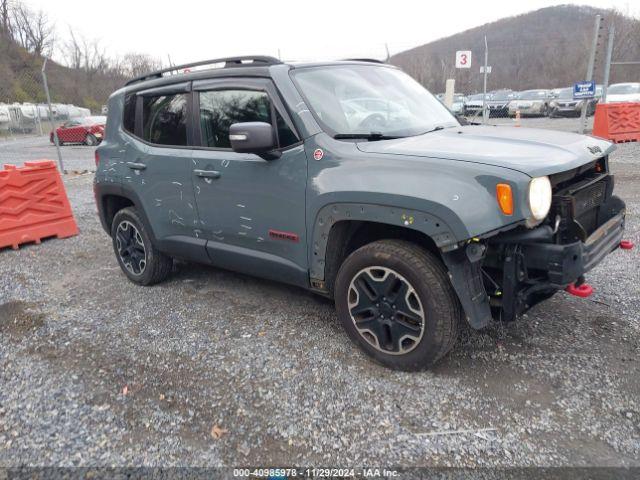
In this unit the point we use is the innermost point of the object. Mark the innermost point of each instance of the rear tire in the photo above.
(140, 261)
(90, 140)
(396, 302)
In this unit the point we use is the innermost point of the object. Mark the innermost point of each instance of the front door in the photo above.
(252, 210)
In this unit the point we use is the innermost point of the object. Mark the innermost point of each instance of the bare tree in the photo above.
(5, 18)
(73, 51)
(33, 30)
(137, 64)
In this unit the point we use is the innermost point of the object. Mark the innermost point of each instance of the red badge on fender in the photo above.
(318, 154)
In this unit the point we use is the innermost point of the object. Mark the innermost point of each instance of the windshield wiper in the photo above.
(371, 136)
(434, 129)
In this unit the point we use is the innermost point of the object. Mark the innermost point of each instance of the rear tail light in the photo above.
(97, 156)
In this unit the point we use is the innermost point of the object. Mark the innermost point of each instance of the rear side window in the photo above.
(219, 109)
(164, 119)
(129, 113)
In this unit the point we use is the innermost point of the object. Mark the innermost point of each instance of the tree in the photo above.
(137, 64)
(5, 18)
(32, 30)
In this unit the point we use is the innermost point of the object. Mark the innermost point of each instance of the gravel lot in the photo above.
(97, 371)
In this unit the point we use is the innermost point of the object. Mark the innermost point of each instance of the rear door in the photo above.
(158, 168)
(252, 210)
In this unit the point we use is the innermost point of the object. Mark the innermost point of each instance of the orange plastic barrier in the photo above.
(618, 122)
(33, 204)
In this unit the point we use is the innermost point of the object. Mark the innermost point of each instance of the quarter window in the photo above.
(219, 109)
(164, 119)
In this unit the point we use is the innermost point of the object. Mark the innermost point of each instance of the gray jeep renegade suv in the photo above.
(351, 180)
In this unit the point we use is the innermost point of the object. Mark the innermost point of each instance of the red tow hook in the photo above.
(626, 244)
(582, 291)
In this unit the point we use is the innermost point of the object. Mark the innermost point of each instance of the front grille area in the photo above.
(577, 198)
(589, 198)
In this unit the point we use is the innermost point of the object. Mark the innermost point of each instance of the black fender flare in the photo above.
(432, 226)
(102, 190)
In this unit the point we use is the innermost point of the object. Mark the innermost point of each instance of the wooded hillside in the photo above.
(546, 48)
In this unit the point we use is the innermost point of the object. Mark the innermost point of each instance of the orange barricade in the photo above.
(33, 204)
(618, 122)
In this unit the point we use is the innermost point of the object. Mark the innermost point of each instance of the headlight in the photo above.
(540, 197)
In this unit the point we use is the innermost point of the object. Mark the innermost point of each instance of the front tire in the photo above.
(140, 261)
(396, 302)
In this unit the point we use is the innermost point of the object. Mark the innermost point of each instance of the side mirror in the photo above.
(253, 137)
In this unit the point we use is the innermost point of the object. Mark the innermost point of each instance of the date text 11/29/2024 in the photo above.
(312, 472)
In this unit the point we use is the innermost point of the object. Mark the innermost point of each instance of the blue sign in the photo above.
(584, 90)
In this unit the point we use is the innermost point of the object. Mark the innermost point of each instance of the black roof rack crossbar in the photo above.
(370, 60)
(250, 60)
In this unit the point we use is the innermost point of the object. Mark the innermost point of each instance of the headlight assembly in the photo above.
(540, 197)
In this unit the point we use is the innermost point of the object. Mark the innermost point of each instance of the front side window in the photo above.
(219, 109)
(360, 100)
(164, 119)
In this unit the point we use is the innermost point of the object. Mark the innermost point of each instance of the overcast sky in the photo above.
(190, 30)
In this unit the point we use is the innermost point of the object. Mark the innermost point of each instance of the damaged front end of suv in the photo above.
(576, 222)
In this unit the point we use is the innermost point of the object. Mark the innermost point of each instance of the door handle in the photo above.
(207, 173)
(136, 166)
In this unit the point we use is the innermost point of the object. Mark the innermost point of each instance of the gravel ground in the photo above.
(76, 158)
(97, 371)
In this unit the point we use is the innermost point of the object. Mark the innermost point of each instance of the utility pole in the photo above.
(590, 67)
(607, 63)
(485, 115)
(53, 126)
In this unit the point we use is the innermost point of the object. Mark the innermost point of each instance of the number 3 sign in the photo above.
(463, 59)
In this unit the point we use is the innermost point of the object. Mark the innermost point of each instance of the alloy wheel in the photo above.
(386, 310)
(131, 248)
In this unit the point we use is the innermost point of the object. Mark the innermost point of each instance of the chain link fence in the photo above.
(76, 114)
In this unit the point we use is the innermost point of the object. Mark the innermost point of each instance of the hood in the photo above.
(623, 97)
(535, 152)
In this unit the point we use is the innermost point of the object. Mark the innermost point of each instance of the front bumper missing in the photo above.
(565, 263)
(527, 266)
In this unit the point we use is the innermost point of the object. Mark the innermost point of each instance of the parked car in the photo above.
(566, 106)
(531, 103)
(88, 130)
(623, 92)
(411, 227)
(457, 106)
(498, 103)
(473, 105)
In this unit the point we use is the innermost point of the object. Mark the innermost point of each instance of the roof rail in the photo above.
(371, 60)
(250, 60)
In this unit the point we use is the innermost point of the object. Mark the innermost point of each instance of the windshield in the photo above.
(566, 93)
(622, 88)
(476, 97)
(359, 99)
(501, 96)
(98, 120)
(533, 95)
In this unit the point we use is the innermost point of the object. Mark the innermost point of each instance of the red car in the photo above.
(87, 130)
